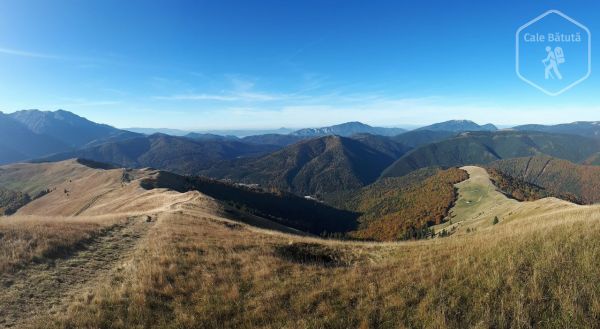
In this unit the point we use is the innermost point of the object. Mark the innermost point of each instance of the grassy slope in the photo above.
(534, 271)
(279, 207)
(33, 178)
(196, 269)
(77, 189)
(479, 202)
(29, 238)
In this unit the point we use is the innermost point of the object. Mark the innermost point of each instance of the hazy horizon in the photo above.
(407, 126)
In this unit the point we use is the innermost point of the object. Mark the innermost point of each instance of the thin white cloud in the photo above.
(67, 103)
(196, 97)
(40, 55)
(240, 83)
(23, 53)
(241, 89)
(228, 97)
(96, 103)
(253, 96)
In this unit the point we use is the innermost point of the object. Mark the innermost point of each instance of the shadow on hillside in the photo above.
(312, 253)
(280, 207)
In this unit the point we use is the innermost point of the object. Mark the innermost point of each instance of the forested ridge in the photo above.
(402, 208)
(560, 178)
(11, 201)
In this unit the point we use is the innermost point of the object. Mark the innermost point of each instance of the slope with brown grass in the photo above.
(205, 272)
(195, 268)
(32, 178)
(80, 232)
(68, 257)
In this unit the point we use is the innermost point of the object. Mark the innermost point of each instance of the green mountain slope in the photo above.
(178, 154)
(581, 128)
(316, 166)
(210, 137)
(416, 138)
(485, 147)
(274, 139)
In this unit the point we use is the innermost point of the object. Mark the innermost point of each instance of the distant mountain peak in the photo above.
(459, 126)
(348, 129)
(67, 127)
(353, 123)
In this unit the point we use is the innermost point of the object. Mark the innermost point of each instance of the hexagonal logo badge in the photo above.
(553, 52)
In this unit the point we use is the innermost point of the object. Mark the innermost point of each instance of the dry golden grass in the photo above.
(197, 272)
(34, 177)
(32, 238)
(194, 269)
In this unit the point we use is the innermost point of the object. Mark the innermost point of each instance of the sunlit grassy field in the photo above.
(206, 273)
(24, 239)
(186, 266)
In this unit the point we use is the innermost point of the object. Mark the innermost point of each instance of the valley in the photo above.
(213, 231)
(160, 258)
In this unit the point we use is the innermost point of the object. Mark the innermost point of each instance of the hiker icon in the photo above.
(552, 61)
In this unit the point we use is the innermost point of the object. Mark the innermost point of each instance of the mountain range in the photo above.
(485, 147)
(178, 154)
(256, 205)
(457, 126)
(348, 129)
(224, 132)
(377, 173)
(581, 128)
(18, 142)
(314, 161)
(316, 166)
(31, 134)
(68, 128)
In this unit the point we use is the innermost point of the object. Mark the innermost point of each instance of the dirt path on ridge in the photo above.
(46, 288)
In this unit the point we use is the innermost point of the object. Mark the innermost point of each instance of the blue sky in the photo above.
(267, 64)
